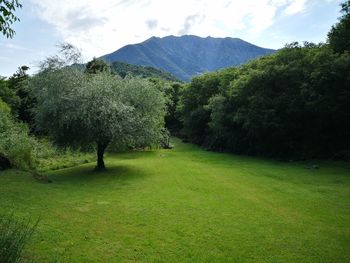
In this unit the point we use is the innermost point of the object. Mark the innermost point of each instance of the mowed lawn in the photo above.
(186, 205)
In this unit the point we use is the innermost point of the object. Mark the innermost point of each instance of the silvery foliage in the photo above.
(80, 109)
(67, 55)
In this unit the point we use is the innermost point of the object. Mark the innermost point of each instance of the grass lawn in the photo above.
(186, 205)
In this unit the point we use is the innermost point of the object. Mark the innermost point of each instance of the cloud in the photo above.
(99, 27)
(78, 20)
(190, 21)
(151, 23)
(295, 7)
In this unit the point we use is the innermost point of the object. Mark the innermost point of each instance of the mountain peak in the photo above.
(188, 55)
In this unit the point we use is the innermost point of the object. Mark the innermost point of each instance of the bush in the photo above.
(50, 157)
(15, 142)
(14, 235)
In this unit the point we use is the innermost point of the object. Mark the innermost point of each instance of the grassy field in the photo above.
(186, 205)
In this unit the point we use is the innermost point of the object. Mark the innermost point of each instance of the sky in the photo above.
(99, 27)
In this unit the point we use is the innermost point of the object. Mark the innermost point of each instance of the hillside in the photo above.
(123, 69)
(187, 56)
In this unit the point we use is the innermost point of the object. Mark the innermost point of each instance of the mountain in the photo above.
(187, 56)
(123, 69)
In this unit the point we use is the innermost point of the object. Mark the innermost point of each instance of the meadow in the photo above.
(185, 205)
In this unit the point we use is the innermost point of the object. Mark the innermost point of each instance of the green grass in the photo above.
(186, 205)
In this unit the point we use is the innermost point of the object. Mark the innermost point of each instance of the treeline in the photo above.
(293, 104)
(125, 69)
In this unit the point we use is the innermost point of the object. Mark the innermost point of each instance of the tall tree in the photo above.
(18, 83)
(8, 17)
(339, 35)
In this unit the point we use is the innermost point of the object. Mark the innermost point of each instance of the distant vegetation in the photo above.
(124, 69)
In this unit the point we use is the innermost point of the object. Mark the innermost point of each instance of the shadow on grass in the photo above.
(87, 174)
(131, 155)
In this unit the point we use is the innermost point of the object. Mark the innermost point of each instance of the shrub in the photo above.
(14, 235)
(15, 142)
(47, 156)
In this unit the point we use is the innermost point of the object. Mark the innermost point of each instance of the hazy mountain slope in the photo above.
(187, 56)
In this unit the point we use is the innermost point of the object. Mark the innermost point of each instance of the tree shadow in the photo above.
(131, 155)
(87, 174)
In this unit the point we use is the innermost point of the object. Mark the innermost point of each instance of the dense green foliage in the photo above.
(14, 235)
(96, 66)
(195, 98)
(172, 93)
(125, 69)
(15, 92)
(20, 150)
(339, 35)
(18, 82)
(79, 109)
(15, 143)
(186, 205)
(291, 104)
(8, 17)
(9, 96)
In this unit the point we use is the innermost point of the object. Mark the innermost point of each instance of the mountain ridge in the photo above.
(187, 56)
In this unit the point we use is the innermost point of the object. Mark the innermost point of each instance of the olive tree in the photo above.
(80, 109)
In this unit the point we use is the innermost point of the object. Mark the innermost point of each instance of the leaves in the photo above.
(7, 16)
(290, 104)
(79, 109)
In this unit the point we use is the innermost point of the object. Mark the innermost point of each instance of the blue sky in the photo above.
(98, 27)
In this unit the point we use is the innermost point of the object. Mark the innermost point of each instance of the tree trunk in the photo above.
(101, 147)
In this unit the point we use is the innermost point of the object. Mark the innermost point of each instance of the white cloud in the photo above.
(14, 47)
(295, 7)
(98, 27)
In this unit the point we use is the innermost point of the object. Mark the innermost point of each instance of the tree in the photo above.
(7, 16)
(339, 35)
(80, 109)
(67, 55)
(18, 83)
(16, 146)
(96, 66)
(9, 96)
(292, 104)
